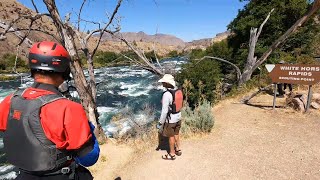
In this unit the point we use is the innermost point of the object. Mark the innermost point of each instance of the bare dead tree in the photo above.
(252, 63)
(143, 62)
(70, 37)
(252, 59)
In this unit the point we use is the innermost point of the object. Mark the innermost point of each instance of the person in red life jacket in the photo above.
(47, 136)
(170, 119)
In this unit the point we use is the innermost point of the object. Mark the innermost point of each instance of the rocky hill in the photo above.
(198, 44)
(10, 9)
(163, 39)
(162, 43)
(221, 36)
(204, 43)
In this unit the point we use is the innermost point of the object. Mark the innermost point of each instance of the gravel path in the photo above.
(247, 142)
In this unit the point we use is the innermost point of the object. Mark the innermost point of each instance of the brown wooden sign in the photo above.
(294, 73)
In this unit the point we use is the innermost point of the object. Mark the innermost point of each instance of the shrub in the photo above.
(199, 120)
(7, 62)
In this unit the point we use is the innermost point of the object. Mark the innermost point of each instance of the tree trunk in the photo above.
(246, 76)
(84, 90)
(251, 59)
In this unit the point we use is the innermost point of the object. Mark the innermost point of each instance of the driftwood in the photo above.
(299, 101)
(315, 105)
(246, 100)
(297, 104)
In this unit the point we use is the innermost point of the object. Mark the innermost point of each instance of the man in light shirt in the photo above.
(169, 120)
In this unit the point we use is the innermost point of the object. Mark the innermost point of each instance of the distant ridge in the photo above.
(140, 36)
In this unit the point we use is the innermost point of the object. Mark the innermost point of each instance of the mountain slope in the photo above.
(163, 39)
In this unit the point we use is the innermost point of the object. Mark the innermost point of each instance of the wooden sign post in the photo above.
(295, 74)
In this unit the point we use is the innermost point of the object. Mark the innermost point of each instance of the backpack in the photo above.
(177, 100)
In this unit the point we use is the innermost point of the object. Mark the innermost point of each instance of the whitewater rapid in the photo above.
(119, 90)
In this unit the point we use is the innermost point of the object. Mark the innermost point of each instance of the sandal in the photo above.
(169, 157)
(178, 152)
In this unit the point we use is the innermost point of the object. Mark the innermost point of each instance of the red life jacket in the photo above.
(177, 100)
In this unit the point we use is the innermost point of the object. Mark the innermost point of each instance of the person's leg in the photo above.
(83, 173)
(177, 141)
(168, 131)
(172, 142)
(290, 87)
(280, 90)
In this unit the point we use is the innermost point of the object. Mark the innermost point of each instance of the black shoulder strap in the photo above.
(46, 99)
(173, 93)
(19, 92)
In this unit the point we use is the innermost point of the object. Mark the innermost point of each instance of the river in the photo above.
(119, 89)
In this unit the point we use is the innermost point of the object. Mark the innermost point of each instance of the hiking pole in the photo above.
(309, 98)
(275, 96)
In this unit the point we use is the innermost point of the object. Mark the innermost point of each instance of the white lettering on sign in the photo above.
(293, 73)
(289, 68)
(314, 69)
(297, 79)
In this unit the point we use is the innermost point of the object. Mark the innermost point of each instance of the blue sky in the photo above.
(186, 19)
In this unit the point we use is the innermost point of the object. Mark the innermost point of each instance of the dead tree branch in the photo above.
(146, 62)
(80, 11)
(20, 35)
(107, 25)
(262, 25)
(35, 7)
(315, 7)
(246, 100)
(225, 61)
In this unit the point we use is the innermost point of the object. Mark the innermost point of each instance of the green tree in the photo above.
(173, 54)
(203, 76)
(104, 58)
(152, 55)
(7, 62)
(286, 13)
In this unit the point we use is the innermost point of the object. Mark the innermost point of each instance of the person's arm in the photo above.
(80, 136)
(91, 157)
(4, 112)
(165, 107)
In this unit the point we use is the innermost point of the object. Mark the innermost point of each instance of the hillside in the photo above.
(162, 39)
(9, 10)
(161, 43)
(204, 43)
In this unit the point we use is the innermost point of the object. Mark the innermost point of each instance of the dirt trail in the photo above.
(246, 143)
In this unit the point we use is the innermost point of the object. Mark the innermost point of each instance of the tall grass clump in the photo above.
(198, 120)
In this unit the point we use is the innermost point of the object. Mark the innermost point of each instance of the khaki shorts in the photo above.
(171, 129)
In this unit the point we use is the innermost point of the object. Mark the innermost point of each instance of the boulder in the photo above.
(304, 99)
(298, 104)
(315, 105)
(316, 97)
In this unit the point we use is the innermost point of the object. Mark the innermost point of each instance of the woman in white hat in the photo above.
(170, 120)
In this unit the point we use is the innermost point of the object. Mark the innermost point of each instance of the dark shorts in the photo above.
(171, 129)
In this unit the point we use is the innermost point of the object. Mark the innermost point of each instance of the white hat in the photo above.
(168, 78)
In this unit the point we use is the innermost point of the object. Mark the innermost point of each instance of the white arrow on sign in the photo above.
(270, 67)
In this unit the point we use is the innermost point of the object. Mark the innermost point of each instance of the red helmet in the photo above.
(49, 56)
